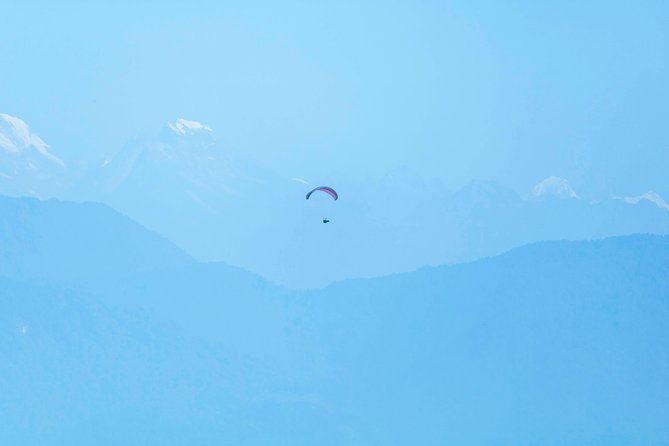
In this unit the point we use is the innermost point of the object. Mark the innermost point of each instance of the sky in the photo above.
(511, 91)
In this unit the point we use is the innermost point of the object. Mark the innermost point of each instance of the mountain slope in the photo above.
(215, 202)
(552, 343)
(92, 248)
(76, 372)
(67, 242)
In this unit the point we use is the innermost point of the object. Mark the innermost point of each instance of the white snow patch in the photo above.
(22, 138)
(651, 196)
(7, 144)
(553, 186)
(184, 127)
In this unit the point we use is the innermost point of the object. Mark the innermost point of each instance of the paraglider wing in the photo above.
(328, 190)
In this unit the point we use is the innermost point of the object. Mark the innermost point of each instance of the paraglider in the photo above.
(328, 190)
(325, 189)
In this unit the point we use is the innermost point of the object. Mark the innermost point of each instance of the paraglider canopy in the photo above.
(328, 190)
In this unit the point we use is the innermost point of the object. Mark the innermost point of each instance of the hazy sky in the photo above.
(512, 91)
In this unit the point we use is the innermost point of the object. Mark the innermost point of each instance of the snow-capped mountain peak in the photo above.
(651, 196)
(184, 127)
(553, 187)
(16, 137)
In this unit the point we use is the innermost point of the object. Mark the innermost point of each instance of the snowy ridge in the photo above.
(555, 187)
(651, 196)
(16, 137)
(185, 127)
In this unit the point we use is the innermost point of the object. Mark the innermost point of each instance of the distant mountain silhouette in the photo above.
(551, 343)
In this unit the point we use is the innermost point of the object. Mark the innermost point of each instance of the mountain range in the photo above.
(559, 342)
(219, 204)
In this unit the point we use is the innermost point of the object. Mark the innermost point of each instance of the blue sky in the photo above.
(510, 91)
